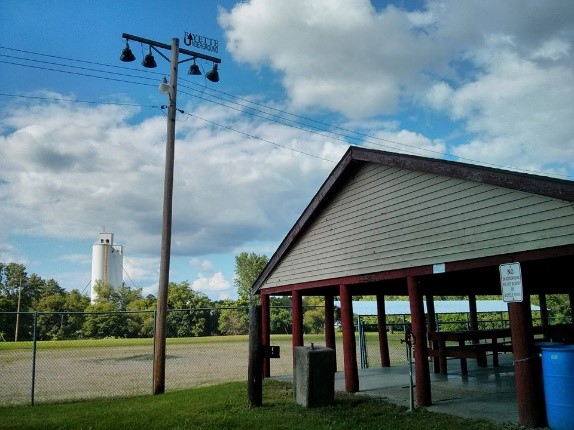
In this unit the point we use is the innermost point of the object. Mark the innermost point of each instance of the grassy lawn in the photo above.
(110, 342)
(225, 407)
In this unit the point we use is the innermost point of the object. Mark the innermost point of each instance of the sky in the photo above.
(82, 135)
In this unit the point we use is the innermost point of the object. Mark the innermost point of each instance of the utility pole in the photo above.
(161, 324)
(161, 315)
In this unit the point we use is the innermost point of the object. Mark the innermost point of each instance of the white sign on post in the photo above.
(511, 282)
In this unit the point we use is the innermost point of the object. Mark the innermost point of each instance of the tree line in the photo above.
(124, 311)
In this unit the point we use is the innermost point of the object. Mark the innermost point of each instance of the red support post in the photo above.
(423, 386)
(349, 346)
(297, 317)
(382, 328)
(527, 366)
(265, 332)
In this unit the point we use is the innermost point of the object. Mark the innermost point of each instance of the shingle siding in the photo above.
(388, 218)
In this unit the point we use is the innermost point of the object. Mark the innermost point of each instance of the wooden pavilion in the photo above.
(392, 224)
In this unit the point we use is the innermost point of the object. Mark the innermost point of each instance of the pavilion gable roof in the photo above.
(356, 158)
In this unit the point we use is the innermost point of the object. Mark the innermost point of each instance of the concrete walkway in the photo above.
(485, 393)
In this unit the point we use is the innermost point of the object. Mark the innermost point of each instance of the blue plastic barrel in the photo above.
(558, 377)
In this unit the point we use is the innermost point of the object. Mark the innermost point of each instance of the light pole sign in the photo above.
(511, 282)
(201, 42)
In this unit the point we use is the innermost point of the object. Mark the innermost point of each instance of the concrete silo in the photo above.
(107, 263)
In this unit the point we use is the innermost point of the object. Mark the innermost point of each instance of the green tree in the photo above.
(15, 295)
(121, 296)
(190, 311)
(248, 267)
(52, 299)
(314, 315)
(103, 320)
(560, 309)
(76, 302)
(280, 315)
(232, 319)
(37, 294)
(141, 324)
(72, 322)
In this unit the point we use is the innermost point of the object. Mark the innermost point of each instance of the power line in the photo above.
(257, 112)
(77, 73)
(77, 60)
(245, 133)
(240, 104)
(255, 137)
(79, 101)
(331, 126)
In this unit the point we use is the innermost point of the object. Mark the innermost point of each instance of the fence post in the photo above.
(34, 336)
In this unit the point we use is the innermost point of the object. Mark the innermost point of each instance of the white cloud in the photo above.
(140, 268)
(338, 54)
(76, 258)
(67, 167)
(405, 141)
(520, 112)
(211, 284)
(201, 265)
(554, 49)
(6, 252)
(502, 70)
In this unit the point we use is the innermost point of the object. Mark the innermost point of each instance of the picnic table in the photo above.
(483, 341)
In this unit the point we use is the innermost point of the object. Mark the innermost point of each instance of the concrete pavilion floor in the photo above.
(487, 393)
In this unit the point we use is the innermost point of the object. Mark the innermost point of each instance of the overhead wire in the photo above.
(62, 99)
(229, 101)
(251, 136)
(222, 102)
(312, 120)
(33, 66)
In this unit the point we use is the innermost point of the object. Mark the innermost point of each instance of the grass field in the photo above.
(225, 407)
(81, 369)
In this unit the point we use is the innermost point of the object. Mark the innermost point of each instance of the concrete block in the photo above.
(314, 376)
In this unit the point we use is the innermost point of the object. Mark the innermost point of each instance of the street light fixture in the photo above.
(148, 61)
(194, 69)
(127, 54)
(213, 74)
(171, 90)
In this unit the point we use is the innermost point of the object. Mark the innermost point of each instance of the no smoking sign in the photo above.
(511, 282)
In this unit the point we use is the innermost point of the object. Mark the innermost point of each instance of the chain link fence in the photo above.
(50, 357)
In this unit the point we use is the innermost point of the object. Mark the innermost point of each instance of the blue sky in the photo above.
(82, 135)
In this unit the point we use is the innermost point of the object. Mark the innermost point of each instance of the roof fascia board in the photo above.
(339, 173)
(536, 184)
